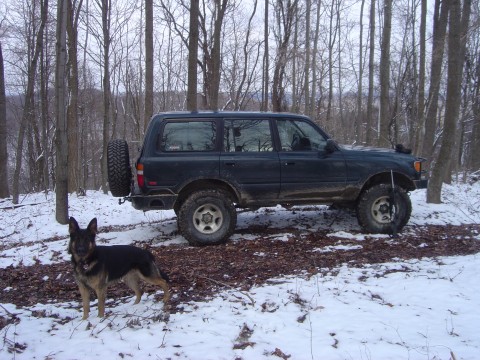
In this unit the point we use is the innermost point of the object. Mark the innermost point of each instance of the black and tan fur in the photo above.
(95, 267)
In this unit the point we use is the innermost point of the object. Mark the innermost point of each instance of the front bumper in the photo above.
(421, 184)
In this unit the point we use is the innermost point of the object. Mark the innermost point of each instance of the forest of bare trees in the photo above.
(76, 73)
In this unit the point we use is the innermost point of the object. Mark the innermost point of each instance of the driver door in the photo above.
(307, 170)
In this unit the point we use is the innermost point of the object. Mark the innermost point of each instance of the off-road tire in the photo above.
(373, 214)
(118, 166)
(207, 217)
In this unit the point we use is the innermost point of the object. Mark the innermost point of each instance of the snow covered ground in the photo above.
(420, 309)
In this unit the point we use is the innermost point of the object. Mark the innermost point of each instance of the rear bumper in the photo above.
(153, 202)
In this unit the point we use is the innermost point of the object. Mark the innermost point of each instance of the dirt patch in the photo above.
(198, 273)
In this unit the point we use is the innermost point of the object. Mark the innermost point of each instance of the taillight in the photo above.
(140, 177)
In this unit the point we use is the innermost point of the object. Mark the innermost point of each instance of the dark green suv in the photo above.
(204, 165)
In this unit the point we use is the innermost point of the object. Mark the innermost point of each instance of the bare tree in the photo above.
(421, 76)
(371, 71)
(285, 11)
(46, 157)
(384, 135)
(106, 23)
(241, 58)
(73, 11)
(332, 40)
(475, 138)
(458, 27)
(315, 56)
(4, 192)
(212, 53)
(148, 61)
(29, 97)
(266, 61)
(61, 169)
(358, 120)
(440, 19)
(193, 57)
(306, 86)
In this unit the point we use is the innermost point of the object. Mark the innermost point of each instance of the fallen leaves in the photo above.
(198, 273)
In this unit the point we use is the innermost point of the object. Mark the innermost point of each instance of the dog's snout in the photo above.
(81, 248)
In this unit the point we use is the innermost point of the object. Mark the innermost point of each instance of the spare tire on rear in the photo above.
(119, 170)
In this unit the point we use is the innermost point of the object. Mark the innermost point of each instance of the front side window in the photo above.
(247, 136)
(298, 135)
(188, 136)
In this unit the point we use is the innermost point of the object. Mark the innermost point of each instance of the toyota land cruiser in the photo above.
(204, 165)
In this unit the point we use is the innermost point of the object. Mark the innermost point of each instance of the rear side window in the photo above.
(188, 136)
(247, 136)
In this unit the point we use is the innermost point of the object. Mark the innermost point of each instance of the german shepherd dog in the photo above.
(95, 267)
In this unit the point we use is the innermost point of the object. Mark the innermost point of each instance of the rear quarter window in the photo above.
(187, 136)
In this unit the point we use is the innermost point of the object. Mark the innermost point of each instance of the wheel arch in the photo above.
(204, 184)
(385, 177)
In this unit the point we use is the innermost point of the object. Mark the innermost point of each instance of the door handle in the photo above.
(289, 163)
(230, 164)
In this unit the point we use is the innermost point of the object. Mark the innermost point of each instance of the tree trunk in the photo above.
(440, 19)
(296, 93)
(44, 86)
(61, 146)
(29, 97)
(475, 150)
(266, 63)
(332, 34)
(220, 10)
(106, 89)
(306, 86)
(313, 99)
(359, 117)
(421, 79)
(458, 27)
(384, 134)
(286, 15)
(72, 109)
(3, 133)
(148, 61)
(371, 71)
(193, 57)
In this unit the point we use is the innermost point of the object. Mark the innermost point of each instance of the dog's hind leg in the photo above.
(131, 279)
(156, 279)
(85, 293)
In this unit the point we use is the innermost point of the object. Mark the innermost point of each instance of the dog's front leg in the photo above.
(85, 292)
(101, 295)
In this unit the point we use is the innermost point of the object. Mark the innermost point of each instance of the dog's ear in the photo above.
(92, 226)
(72, 226)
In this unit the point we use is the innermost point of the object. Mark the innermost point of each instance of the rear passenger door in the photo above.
(249, 160)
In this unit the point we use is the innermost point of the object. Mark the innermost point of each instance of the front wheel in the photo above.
(207, 217)
(377, 214)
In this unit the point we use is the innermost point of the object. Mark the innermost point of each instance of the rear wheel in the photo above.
(207, 217)
(118, 166)
(377, 214)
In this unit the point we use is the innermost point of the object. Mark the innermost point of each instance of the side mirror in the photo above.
(331, 146)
